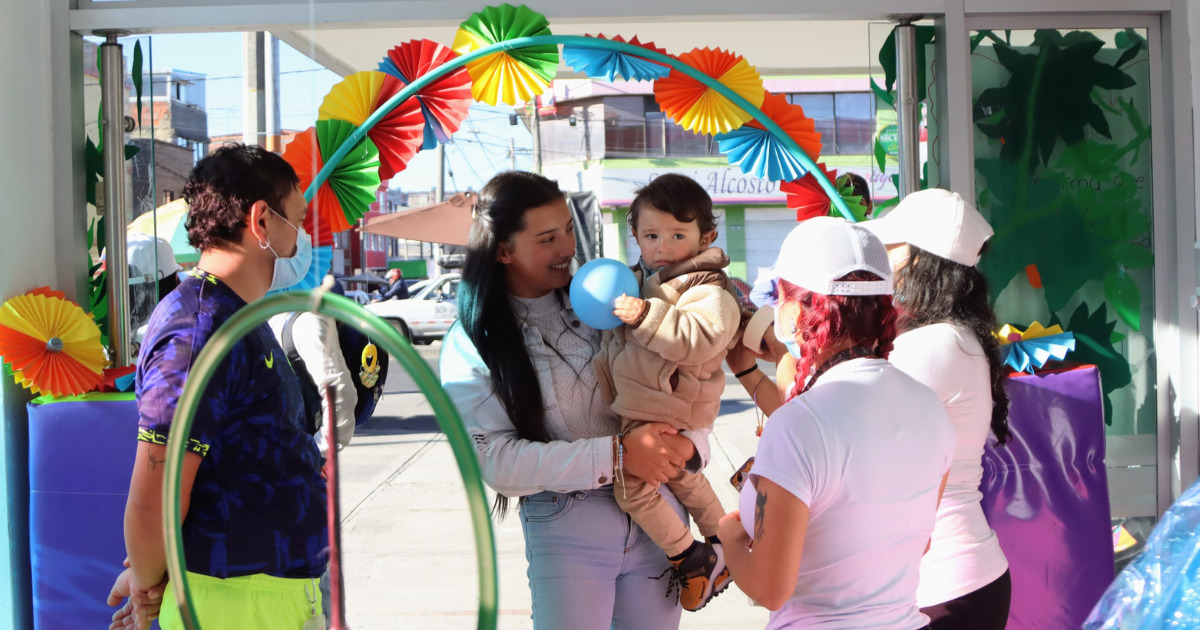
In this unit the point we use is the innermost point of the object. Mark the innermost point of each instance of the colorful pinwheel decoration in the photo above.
(349, 191)
(51, 344)
(758, 152)
(397, 135)
(809, 200)
(444, 103)
(701, 109)
(1029, 349)
(601, 63)
(510, 75)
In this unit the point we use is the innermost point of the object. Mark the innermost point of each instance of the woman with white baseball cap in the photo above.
(840, 501)
(934, 239)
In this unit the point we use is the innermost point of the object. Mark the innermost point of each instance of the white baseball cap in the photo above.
(149, 258)
(818, 252)
(938, 221)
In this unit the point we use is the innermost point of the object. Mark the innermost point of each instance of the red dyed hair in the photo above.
(827, 321)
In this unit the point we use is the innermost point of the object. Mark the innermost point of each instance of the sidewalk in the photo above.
(406, 531)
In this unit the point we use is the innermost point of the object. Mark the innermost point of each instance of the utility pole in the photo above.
(254, 101)
(271, 111)
(439, 196)
(512, 154)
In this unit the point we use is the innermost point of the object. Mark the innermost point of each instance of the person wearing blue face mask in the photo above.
(253, 498)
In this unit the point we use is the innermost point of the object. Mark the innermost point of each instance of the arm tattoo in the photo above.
(154, 462)
(760, 515)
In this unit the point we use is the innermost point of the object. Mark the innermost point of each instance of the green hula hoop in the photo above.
(348, 312)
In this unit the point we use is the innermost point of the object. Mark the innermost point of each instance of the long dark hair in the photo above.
(933, 290)
(484, 310)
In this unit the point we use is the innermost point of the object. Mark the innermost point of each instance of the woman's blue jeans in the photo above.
(591, 567)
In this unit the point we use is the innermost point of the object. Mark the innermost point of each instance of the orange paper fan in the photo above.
(51, 344)
(701, 109)
(793, 121)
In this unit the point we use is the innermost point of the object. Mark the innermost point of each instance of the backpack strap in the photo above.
(308, 389)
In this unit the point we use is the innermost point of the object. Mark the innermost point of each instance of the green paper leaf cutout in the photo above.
(1122, 292)
(131, 150)
(504, 22)
(883, 94)
(1094, 339)
(880, 154)
(137, 78)
(355, 180)
(887, 58)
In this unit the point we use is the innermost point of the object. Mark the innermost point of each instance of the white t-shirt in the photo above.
(964, 555)
(865, 449)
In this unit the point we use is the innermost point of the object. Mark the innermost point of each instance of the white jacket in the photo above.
(316, 342)
(514, 466)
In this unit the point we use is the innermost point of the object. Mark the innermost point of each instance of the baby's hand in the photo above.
(629, 309)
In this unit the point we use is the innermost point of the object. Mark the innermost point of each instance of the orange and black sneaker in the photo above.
(697, 575)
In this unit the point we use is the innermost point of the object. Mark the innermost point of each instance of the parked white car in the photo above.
(429, 311)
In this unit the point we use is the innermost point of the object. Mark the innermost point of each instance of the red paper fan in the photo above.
(446, 101)
(398, 134)
(806, 196)
(792, 120)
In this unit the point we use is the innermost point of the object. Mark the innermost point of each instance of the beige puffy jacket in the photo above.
(667, 367)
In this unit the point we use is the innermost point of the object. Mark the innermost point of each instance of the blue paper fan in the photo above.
(1025, 356)
(600, 63)
(757, 152)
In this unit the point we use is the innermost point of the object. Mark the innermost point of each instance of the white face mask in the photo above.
(290, 271)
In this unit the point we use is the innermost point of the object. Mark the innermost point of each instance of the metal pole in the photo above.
(907, 107)
(439, 196)
(536, 127)
(271, 108)
(116, 204)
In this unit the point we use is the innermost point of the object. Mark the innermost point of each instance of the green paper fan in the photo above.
(355, 180)
(511, 75)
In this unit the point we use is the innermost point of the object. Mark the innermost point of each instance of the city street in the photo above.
(406, 531)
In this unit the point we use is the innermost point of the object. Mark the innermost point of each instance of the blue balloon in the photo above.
(595, 289)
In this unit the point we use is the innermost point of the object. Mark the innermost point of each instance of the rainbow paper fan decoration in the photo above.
(511, 75)
(1030, 349)
(809, 199)
(701, 109)
(397, 135)
(758, 152)
(350, 189)
(51, 344)
(601, 63)
(445, 103)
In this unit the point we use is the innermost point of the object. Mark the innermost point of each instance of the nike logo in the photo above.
(270, 361)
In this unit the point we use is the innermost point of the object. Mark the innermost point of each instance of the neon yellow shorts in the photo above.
(249, 602)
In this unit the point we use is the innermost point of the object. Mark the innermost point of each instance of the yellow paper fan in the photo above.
(353, 98)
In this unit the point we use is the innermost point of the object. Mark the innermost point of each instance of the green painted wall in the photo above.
(735, 240)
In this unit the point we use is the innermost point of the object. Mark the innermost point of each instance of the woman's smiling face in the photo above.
(538, 258)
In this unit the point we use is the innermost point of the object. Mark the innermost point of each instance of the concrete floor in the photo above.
(406, 531)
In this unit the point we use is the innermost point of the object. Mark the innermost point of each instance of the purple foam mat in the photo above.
(80, 457)
(1046, 495)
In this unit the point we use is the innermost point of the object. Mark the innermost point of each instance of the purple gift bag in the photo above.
(1046, 495)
